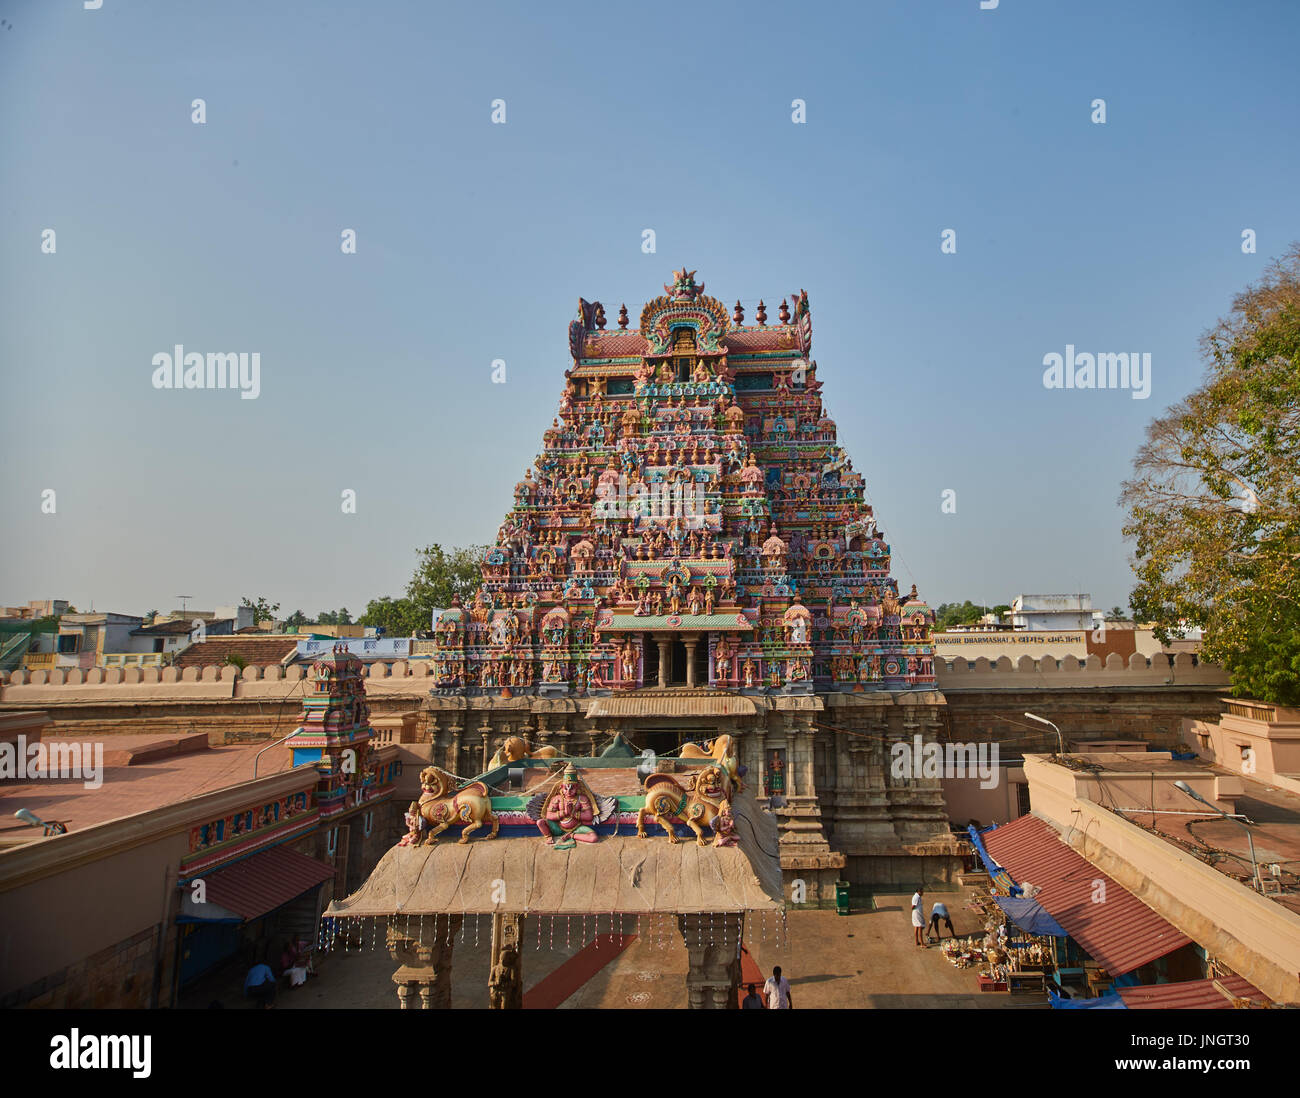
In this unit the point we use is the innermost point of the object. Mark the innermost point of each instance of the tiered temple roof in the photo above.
(690, 487)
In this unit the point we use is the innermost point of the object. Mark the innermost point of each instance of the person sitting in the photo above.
(295, 961)
(259, 984)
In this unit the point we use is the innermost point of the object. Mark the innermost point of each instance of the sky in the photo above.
(475, 239)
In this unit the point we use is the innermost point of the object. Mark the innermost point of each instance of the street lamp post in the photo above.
(1043, 720)
(1183, 787)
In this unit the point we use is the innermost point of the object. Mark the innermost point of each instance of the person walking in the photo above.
(918, 918)
(940, 911)
(777, 990)
(752, 1001)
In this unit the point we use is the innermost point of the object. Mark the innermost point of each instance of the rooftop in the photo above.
(141, 772)
(1272, 814)
(251, 648)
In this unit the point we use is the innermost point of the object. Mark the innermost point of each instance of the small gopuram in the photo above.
(617, 845)
(692, 554)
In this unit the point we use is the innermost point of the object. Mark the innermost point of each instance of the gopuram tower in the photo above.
(691, 555)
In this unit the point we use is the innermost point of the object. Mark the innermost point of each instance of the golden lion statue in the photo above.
(440, 805)
(516, 748)
(696, 804)
(722, 751)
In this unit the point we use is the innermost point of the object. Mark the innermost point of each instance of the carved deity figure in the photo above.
(751, 674)
(675, 596)
(724, 826)
(568, 813)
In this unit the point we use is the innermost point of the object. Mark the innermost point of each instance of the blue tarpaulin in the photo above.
(1105, 1002)
(1030, 916)
(996, 872)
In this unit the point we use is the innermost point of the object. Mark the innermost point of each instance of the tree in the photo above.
(1214, 503)
(262, 610)
(149, 616)
(948, 614)
(327, 617)
(396, 617)
(343, 617)
(440, 576)
(1116, 613)
(296, 619)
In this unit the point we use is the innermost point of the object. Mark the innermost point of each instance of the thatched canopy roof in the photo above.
(620, 873)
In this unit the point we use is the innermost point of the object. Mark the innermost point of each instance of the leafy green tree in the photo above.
(1214, 502)
(262, 610)
(297, 619)
(343, 617)
(440, 576)
(1116, 613)
(397, 617)
(327, 617)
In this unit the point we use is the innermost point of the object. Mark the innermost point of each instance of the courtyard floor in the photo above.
(864, 960)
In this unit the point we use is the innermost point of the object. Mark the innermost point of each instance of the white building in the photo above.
(1051, 612)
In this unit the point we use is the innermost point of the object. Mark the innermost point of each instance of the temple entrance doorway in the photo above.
(668, 741)
(678, 676)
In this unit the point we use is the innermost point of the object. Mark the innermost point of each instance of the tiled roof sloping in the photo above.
(1189, 995)
(264, 881)
(258, 650)
(1119, 931)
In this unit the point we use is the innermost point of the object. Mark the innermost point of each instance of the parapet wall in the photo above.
(986, 700)
(144, 684)
(1046, 672)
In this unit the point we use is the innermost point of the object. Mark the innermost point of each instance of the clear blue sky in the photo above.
(475, 241)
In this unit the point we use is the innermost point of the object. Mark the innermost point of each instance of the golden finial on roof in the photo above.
(739, 315)
(761, 314)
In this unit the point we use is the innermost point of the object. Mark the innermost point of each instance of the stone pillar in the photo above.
(760, 770)
(506, 975)
(690, 662)
(423, 950)
(665, 660)
(485, 731)
(791, 770)
(712, 945)
(451, 758)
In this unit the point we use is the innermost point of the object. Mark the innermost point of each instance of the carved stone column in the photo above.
(423, 950)
(485, 731)
(451, 757)
(791, 770)
(712, 945)
(665, 660)
(690, 662)
(506, 974)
